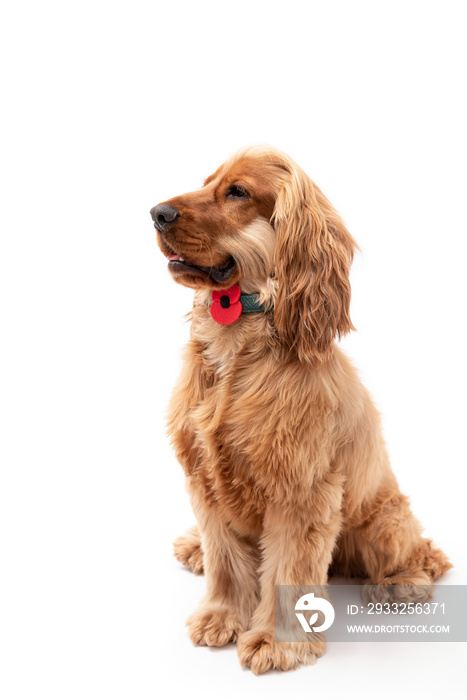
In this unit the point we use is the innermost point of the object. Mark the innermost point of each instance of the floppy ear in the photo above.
(314, 252)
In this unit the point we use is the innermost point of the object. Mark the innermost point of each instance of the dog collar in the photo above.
(229, 304)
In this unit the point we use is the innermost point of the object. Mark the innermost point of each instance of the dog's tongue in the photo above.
(218, 274)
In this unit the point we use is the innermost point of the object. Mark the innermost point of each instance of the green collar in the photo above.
(251, 303)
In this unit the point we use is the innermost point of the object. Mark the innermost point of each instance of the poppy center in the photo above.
(225, 301)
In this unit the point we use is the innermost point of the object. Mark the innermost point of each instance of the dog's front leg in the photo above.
(230, 564)
(297, 546)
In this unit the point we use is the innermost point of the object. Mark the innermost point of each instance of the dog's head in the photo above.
(260, 221)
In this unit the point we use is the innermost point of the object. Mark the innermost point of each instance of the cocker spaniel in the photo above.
(281, 444)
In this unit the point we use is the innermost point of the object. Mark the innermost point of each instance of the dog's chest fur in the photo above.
(235, 422)
(226, 429)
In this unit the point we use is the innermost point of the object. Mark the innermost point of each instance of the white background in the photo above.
(109, 108)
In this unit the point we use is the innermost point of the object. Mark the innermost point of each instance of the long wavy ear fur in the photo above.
(313, 257)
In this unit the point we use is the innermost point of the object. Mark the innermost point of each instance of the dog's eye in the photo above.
(237, 192)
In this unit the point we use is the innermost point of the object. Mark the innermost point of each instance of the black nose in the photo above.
(163, 215)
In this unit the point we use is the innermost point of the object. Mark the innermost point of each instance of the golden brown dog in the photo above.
(281, 444)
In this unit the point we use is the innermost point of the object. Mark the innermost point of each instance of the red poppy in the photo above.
(226, 306)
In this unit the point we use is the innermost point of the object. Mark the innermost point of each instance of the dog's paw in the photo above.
(187, 549)
(258, 650)
(214, 628)
(413, 586)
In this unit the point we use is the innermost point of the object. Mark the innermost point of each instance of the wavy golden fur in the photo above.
(281, 445)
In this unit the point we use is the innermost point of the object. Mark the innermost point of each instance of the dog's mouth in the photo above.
(219, 273)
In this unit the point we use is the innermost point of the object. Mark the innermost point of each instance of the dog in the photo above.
(281, 444)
